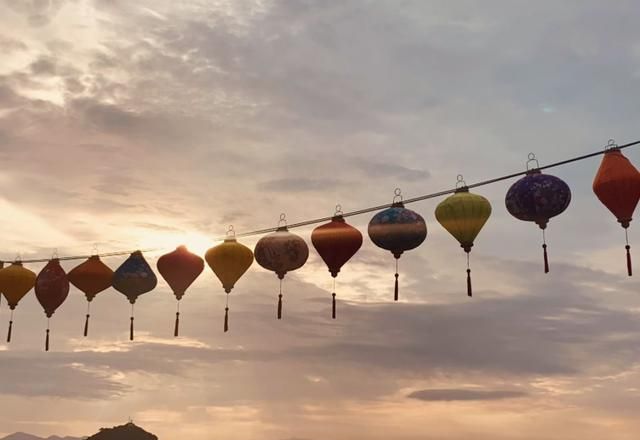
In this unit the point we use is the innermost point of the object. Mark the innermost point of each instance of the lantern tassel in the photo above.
(469, 290)
(131, 325)
(10, 328)
(628, 248)
(544, 252)
(226, 314)
(86, 320)
(176, 327)
(395, 290)
(280, 302)
(46, 341)
(333, 306)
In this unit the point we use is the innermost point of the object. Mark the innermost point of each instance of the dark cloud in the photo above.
(294, 184)
(450, 395)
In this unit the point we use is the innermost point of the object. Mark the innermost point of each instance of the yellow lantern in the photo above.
(463, 215)
(15, 282)
(229, 261)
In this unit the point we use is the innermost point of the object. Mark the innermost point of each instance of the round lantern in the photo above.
(537, 198)
(229, 261)
(463, 215)
(15, 282)
(281, 252)
(91, 277)
(617, 186)
(52, 288)
(336, 242)
(397, 229)
(180, 269)
(133, 278)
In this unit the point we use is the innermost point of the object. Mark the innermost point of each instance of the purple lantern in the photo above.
(536, 198)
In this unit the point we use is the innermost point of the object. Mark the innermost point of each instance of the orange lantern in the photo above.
(180, 269)
(617, 186)
(15, 282)
(52, 288)
(91, 278)
(336, 242)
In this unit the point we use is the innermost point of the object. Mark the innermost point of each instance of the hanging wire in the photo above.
(364, 210)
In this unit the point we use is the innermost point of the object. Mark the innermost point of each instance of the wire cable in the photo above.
(360, 211)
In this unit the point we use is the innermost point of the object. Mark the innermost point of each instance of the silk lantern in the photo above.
(617, 186)
(538, 197)
(180, 269)
(463, 215)
(229, 261)
(52, 288)
(397, 229)
(91, 277)
(133, 278)
(15, 282)
(336, 242)
(281, 252)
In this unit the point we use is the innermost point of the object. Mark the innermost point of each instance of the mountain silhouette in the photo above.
(128, 431)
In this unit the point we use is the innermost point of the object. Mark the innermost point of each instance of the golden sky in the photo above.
(128, 125)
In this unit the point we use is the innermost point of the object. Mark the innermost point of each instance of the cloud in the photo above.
(450, 395)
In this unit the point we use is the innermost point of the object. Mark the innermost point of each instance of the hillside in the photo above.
(128, 431)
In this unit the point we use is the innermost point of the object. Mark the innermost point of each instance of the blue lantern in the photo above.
(537, 198)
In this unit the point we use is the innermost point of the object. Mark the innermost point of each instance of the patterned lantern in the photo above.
(397, 229)
(133, 278)
(617, 186)
(15, 282)
(180, 269)
(536, 198)
(281, 252)
(229, 261)
(91, 277)
(463, 215)
(336, 242)
(52, 288)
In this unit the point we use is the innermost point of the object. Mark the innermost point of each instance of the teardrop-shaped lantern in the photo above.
(91, 277)
(281, 252)
(52, 288)
(617, 185)
(15, 282)
(180, 269)
(397, 229)
(229, 261)
(537, 198)
(336, 242)
(133, 278)
(463, 215)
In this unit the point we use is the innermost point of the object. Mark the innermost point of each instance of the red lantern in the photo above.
(91, 278)
(617, 186)
(180, 269)
(52, 288)
(336, 242)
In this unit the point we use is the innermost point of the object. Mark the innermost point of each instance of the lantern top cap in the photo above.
(611, 146)
(461, 185)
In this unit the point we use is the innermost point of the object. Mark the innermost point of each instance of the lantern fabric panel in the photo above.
(180, 269)
(52, 287)
(397, 229)
(336, 242)
(617, 185)
(15, 282)
(538, 197)
(229, 261)
(281, 252)
(91, 277)
(134, 277)
(463, 215)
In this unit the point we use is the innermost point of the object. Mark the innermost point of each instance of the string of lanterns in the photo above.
(536, 197)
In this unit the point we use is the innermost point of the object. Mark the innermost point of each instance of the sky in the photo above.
(149, 124)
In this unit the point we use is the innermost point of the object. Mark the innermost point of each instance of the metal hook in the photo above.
(532, 158)
(338, 210)
(397, 195)
(611, 144)
(231, 232)
(460, 183)
(283, 219)
(94, 251)
(54, 256)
